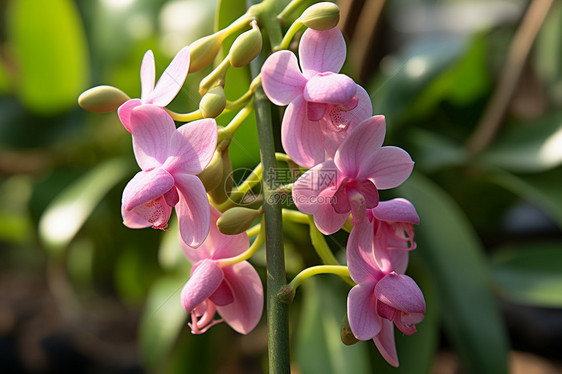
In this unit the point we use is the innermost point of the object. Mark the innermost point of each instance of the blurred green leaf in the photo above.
(433, 151)
(530, 273)
(66, 214)
(542, 189)
(530, 147)
(453, 254)
(548, 56)
(161, 321)
(428, 71)
(4, 79)
(15, 223)
(318, 347)
(50, 50)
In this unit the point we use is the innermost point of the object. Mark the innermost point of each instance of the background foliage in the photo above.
(81, 293)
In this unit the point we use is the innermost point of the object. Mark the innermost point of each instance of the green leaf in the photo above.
(162, 320)
(530, 147)
(548, 56)
(530, 274)
(433, 151)
(542, 189)
(426, 72)
(50, 50)
(318, 347)
(450, 247)
(66, 214)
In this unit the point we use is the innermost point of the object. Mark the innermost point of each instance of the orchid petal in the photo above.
(244, 313)
(223, 295)
(155, 213)
(146, 186)
(309, 185)
(205, 279)
(281, 78)
(124, 112)
(399, 260)
(301, 138)
(385, 343)
(151, 128)
(322, 51)
(147, 72)
(360, 259)
(193, 209)
(363, 320)
(330, 88)
(325, 217)
(388, 167)
(350, 118)
(219, 245)
(192, 147)
(401, 293)
(315, 111)
(396, 210)
(171, 81)
(359, 146)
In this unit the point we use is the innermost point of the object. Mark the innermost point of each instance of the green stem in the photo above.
(277, 311)
(320, 245)
(185, 117)
(339, 270)
(289, 35)
(289, 10)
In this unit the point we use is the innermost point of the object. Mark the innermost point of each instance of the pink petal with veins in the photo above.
(204, 280)
(321, 51)
(193, 209)
(361, 306)
(171, 81)
(282, 80)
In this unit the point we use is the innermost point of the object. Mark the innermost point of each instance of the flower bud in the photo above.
(213, 102)
(221, 193)
(203, 51)
(237, 220)
(346, 335)
(212, 175)
(102, 99)
(321, 16)
(246, 47)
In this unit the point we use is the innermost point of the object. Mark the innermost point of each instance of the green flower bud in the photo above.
(222, 192)
(213, 102)
(102, 99)
(212, 175)
(346, 335)
(237, 220)
(246, 47)
(321, 16)
(203, 51)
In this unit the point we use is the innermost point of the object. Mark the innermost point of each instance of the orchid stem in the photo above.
(254, 230)
(339, 270)
(277, 311)
(185, 117)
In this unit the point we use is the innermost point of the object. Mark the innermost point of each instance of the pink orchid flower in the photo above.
(389, 226)
(234, 291)
(170, 159)
(381, 298)
(350, 182)
(323, 106)
(164, 91)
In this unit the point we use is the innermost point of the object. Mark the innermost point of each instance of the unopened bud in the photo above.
(212, 175)
(221, 193)
(321, 16)
(246, 47)
(213, 102)
(346, 334)
(102, 99)
(203, 51)
(237, 220)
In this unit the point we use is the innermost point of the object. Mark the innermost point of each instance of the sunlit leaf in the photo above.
(530, 274)
(50, 49)
(542, 189)
(318, 347)
(453, 254)
(531, 147)
(66, 214)
(162, 319)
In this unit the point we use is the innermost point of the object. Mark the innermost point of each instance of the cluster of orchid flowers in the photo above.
(328, 128)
